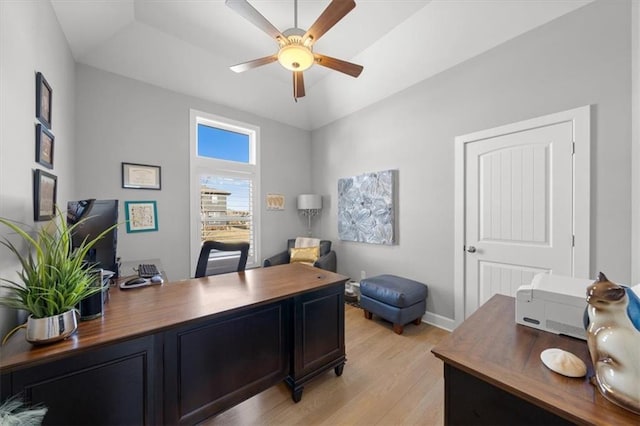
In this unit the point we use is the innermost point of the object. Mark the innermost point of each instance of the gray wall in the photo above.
(30, 41)
(579, 59)
(120, 119)
(582, 58)
(635, 128)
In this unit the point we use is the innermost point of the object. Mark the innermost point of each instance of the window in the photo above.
(223, 144)
(224, 183)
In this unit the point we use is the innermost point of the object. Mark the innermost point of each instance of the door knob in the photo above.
(471, 249)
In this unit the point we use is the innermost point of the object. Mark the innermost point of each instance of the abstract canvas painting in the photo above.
(366, 208)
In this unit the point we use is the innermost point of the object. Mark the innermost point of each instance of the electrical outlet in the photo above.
(363, 275)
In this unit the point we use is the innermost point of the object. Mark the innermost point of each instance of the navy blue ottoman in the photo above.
(396, 299)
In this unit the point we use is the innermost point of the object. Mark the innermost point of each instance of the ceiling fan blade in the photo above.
(246, 66)
(248, 12)
(298, 85)
(336, 10)
(345, 67)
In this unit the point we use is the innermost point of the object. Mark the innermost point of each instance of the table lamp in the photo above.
(310, 205)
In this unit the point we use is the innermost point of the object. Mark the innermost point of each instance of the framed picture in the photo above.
(45, 187)
(367, 208)
(44, 96)
(275, 202)
(44, 146)
(140, 176)
(141, 216)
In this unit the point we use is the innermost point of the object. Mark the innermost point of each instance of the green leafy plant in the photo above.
(54, 276)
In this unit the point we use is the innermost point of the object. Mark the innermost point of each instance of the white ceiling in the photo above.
(188, 45)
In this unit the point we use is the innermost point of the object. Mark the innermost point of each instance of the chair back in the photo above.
(219, 258)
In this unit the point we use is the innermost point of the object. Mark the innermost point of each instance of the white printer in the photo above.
(554, 303)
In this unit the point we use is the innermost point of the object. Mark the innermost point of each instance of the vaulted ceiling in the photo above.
(188, 45)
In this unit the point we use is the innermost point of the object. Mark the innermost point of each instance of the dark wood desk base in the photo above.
(471, 401)
(184, 366)
(318, 336)
(115, 385)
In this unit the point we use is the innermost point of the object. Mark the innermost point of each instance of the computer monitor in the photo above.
(76, 210)
(96, 216)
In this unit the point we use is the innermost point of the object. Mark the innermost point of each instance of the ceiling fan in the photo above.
(295, 51)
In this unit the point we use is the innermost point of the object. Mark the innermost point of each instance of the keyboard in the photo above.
(147, 270)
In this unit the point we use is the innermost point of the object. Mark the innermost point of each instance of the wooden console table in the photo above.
(181, 352)
(493, 375)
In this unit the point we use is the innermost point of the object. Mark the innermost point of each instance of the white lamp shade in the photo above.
(309, 202)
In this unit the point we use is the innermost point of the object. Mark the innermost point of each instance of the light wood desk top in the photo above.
(492, 347)
(141, 311)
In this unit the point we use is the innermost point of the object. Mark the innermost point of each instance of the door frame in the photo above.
(581, 120)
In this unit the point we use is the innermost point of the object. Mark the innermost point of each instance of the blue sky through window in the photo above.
(222, 144)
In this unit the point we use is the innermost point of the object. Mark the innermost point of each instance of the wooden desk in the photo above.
(181, 352)
(493, 375)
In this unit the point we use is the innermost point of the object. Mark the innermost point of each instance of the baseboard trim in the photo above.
(439, 321)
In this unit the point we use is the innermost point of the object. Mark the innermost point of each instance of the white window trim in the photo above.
(221, 167)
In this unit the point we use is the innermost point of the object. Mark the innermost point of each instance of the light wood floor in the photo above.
(388, 380)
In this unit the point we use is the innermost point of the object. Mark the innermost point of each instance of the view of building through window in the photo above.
(225, 209)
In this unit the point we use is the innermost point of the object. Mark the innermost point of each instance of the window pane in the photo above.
(226, 209)
(222, 144)
(226, 176)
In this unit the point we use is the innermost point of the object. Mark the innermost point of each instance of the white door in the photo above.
(518, 207)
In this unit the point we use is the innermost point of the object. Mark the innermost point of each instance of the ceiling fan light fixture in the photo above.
(295, 45)
(295, 57)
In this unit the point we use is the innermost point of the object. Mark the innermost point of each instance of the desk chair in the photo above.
(219, 258)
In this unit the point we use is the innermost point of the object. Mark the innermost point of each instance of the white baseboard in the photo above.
(439, 321)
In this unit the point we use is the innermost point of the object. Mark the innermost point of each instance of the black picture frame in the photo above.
(45, 188)
(44, 98)
(44, 146)
(141, 176)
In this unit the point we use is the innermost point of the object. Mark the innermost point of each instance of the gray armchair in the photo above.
(326, 261)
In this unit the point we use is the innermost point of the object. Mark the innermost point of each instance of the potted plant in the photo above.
(55, 277)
